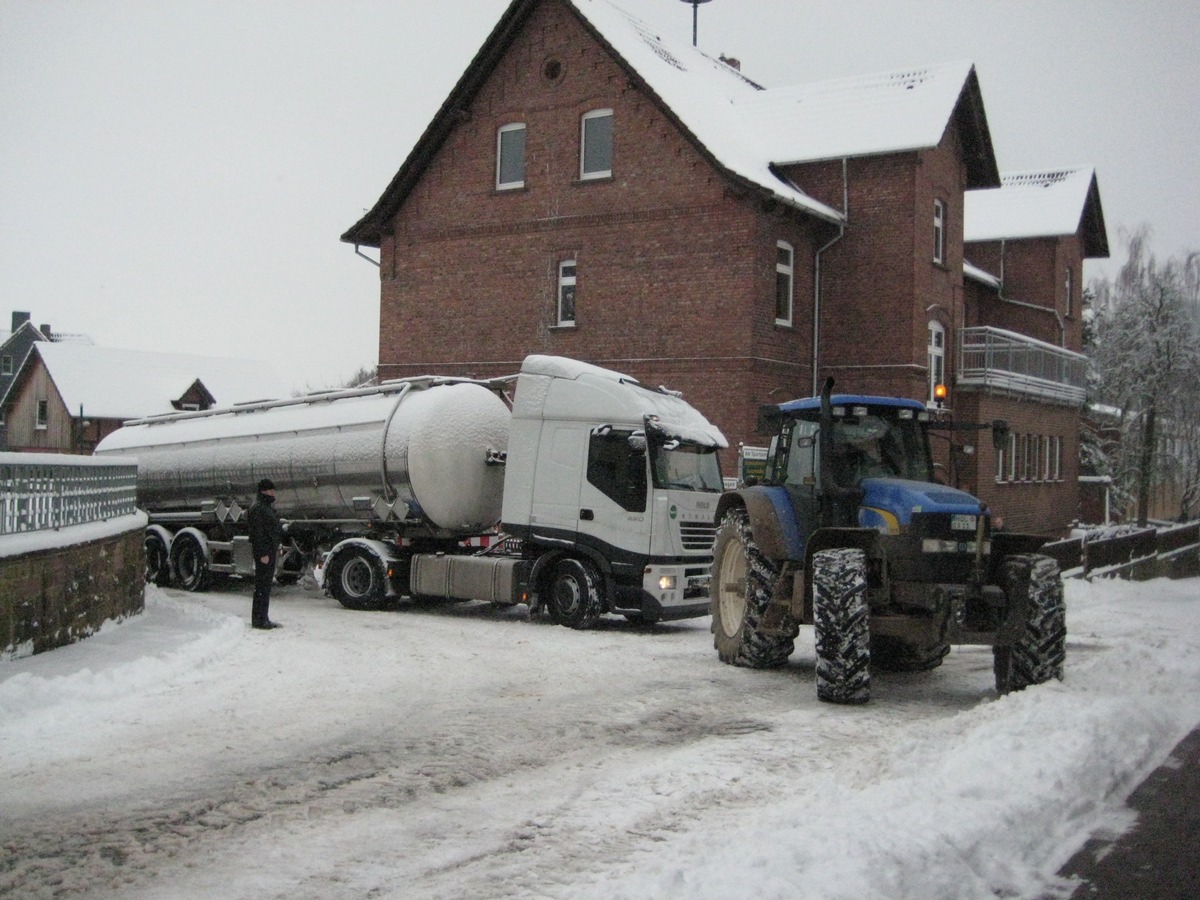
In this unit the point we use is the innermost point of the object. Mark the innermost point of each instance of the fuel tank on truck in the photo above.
(416, 450)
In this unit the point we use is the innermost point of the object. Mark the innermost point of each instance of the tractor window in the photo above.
(801, 460)
(617, 467)
(872, 446)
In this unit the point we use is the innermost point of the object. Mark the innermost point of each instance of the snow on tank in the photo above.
(417, 448)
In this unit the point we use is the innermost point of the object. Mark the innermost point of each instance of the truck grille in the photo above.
(697, 535)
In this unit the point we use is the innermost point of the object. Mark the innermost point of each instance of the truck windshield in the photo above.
(687, 467)
(879, 446)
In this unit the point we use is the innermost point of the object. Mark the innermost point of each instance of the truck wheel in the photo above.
(740, 598)
(841, 625)
(891, 654)
(189, 562)
(575, 599)
(356, 580)
(1033, 584)
(158, 563)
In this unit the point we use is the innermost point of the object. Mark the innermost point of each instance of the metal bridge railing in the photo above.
(41, 492)
(1004, 360)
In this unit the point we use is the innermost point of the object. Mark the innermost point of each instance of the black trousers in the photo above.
(264, 574)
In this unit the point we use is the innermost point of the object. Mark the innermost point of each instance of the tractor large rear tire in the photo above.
(741, 593)
(841, 625)
(1033, 583)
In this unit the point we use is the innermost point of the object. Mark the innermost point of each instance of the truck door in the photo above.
(555, 490)
(613, 513)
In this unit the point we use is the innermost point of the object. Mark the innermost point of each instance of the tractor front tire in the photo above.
(841, 625)
(1033, 585)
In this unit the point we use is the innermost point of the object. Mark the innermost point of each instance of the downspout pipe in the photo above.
(1062, 325)
(816, 334)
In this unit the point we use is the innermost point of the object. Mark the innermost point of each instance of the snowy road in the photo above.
(460, 750)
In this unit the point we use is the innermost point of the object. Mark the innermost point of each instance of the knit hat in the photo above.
(266, 485)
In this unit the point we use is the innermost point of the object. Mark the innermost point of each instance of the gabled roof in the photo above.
(1044, 203)
(870, 115)
(127, 384)
(744, 130)
(16, 345)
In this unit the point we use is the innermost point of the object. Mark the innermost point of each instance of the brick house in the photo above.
(66, 397)
(1021, 339)
(591, 190)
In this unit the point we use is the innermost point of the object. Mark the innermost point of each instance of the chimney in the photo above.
(735, 64)
(45, 329)
(19, 319)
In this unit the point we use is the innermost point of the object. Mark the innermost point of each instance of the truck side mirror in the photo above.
(1000, 431)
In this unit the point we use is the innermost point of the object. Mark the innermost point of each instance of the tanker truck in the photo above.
(598, 493)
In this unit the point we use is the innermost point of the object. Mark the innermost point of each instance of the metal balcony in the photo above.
(999, 360)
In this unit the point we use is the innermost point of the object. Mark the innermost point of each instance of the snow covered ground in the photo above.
(462, 751)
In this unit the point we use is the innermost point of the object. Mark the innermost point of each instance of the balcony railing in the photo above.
(1005, 361)
(39, 492)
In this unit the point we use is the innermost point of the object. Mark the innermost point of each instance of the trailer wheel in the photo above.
(575, 594)
(841, 625)
(357, 580)
(189, 562)
(1034, 588)
(158, 563)
(740, 596)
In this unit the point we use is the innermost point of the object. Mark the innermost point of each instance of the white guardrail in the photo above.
(46, 491)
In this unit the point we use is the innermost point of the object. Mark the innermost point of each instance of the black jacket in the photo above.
(266, 530)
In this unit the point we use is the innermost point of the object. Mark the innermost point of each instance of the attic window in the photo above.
(596, 138)
(552, 70)
(510, 157)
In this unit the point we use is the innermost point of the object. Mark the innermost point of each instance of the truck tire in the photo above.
(1033, 584)
(189, 562)
(357, 580)
(740, 596)
(841, 625)
(158, 562)
(575, 598)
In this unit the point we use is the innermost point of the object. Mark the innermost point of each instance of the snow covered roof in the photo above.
(126, 384)
(974, 273)
(886, 112)
(744, 129)
(1044, 203)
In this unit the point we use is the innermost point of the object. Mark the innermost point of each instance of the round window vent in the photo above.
(552, 69)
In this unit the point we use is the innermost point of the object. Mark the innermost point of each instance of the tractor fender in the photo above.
(772, 520)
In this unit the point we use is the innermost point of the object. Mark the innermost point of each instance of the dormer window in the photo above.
(596, 144)
(510, 157)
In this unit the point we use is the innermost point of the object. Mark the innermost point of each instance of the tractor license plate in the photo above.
(963, 522)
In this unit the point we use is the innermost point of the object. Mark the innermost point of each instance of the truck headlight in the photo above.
(666, 582)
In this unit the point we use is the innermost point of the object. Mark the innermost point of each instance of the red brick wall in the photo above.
(675, 263)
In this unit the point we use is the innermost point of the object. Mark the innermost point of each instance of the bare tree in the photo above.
(1146, 368)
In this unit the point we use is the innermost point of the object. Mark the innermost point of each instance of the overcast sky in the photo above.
(175, 174)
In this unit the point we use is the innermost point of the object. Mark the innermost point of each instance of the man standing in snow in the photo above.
(266, 531)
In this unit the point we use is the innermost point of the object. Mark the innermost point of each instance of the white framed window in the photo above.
(1012, 456)
(1002, 456)
(510, 157)
(936, 354)
(43, 415)
(785, 260)
(1036, 471)
(596, 144)
(1054, 458)
(939, 231)
(566, 293)
(1067, 286)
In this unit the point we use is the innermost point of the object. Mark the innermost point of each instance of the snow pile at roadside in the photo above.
(994, 800)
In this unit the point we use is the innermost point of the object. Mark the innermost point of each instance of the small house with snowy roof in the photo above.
(592, 189)
(66, 397)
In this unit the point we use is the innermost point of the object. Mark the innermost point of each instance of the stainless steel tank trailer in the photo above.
(600, 492)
